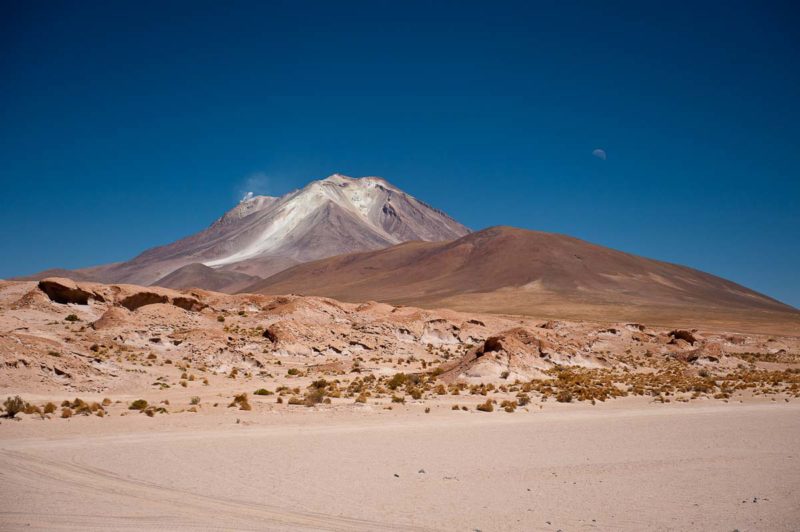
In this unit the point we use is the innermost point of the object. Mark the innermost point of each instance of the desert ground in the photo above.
(148, 408)
(621, 466)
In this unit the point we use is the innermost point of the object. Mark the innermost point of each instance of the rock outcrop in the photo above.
(66, 291)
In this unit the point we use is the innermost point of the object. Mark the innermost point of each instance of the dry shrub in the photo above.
(82, 407)
(66, 412)
(508, 406)
(13, 406)
(486, 407)
(564, 397)
(50, 408)
(139, 404)
(31, 409)
(436, 372)
(319, 389)
(241, 401)
(397, 380)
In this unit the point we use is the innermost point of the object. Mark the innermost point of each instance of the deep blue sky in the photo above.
(126, 125)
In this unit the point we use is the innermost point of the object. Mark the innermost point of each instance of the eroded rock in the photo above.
(65, 291)
(140, 299)
(682, 334)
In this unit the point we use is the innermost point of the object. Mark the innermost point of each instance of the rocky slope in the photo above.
(166, 346)
(199, 275)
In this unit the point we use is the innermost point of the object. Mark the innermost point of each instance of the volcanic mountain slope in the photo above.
(508, 270)
(196, 274)
(264, 235)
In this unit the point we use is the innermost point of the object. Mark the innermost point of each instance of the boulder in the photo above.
(516, 341)
(681, 334)
(140, 299)
(65, 291)
(188, 303)
(112, 318)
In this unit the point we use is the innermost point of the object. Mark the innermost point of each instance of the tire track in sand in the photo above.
(168, 507)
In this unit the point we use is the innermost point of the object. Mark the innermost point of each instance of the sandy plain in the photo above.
(625, 465)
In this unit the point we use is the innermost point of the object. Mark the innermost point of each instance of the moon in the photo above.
(600, 153)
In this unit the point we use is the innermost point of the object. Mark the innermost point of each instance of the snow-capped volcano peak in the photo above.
(331, 216)
(338, 178)
(369, 203)
(364, 182)
(359, 195)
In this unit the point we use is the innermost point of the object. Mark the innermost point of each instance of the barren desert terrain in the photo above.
(631, 466)
(148, 408)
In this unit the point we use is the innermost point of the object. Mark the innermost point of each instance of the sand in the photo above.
(625, 465)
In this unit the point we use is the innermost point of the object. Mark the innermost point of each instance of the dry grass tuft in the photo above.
(139, 404)
(508, 406)
(486, 407)
(241, 401)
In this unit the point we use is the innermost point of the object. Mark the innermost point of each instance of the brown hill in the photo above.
(515, 271)
(201, 276)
